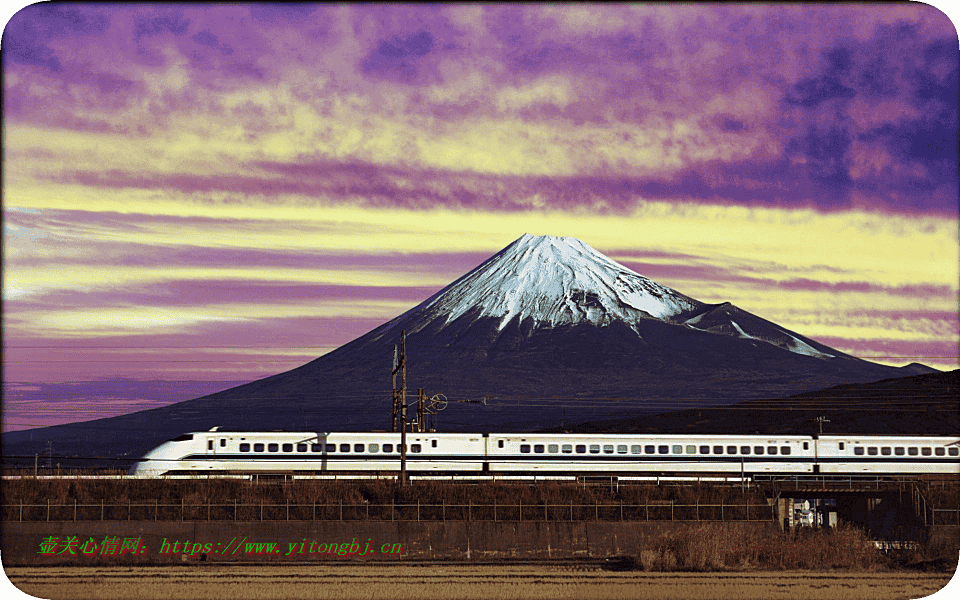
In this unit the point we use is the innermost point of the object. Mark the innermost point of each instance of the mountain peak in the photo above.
(556, 281)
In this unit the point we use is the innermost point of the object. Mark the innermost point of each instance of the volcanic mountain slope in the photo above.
(548, 330)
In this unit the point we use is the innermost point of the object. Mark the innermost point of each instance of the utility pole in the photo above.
(400, 402)
(421, 412)
(395, 411)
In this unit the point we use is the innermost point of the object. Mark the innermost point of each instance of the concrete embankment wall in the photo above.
(226, 541)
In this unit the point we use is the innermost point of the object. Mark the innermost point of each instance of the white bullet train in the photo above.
(505, 455)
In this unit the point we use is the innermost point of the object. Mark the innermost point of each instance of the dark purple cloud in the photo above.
(823, 183)
(205, 38)
(864, 118)
(282, 12)
(172, 22)
(397, 58)
(27, 36)
(897, 65)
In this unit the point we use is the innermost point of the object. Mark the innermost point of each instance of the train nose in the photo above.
(155, 462)
(144, 467)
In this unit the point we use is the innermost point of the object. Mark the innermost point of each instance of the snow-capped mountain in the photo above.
(556, 281)
(544, 282)
(547, 331)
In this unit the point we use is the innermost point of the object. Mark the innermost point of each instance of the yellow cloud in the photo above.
(882, 249)
(152, 319)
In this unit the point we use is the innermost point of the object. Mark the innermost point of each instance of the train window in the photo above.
(316, 448)
(401, 448)
(648, 449)
(433, 443)
(186, 437)
(581, 449)
(718, 449)
(663, 449)
(301, 447)
(594, 449)
(525, 448)
(553, 448)
(244, 447)
(258, 447)
(344, 447)
(841, 445)
(691, 449)
(731, 449)
(273, 447)
(771, 449)
(953, 451)
(872, 450)
(784, 449)
(636, 449)
(704, 449)
(621, 449)
(925, 451)
(538, 448)
(858, 450)
(359, 448)
(898, 450)
(885, 450)
(758, 449)
(388, 447)
(223, 442)
(806, 445)
(744, 449)
(374, 447)
(567, 448)
(677, 449)
(331, 447)
(288, 447)
(209, 444)
(938, 451)
(608, 448)
(913, 451)
(414, 447)
(499, 443)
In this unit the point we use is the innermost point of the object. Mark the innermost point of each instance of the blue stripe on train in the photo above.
(945, 460)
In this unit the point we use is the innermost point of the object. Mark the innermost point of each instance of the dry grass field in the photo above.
(455, 581)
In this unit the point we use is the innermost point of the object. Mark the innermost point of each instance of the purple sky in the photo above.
(218, 193)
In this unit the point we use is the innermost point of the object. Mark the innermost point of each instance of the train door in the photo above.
(816, 455)
(828, 456)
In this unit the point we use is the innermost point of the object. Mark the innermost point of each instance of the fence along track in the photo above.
(663, 510)
(260, 511)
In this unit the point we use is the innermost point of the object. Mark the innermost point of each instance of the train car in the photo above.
(887, 455)
(610, 454)
(513, 455)
(217, 452)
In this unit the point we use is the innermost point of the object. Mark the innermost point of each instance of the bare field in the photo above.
(456, 582)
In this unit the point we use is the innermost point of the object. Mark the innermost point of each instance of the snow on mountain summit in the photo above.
(556, 281)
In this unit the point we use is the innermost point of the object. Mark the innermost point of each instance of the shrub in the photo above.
(713, 547)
